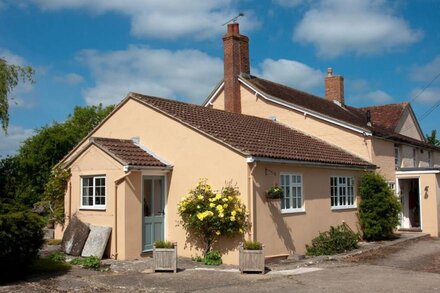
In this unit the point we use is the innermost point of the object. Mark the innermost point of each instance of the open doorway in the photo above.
(410, 198)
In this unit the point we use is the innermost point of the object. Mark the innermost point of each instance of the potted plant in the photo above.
(275, 192)
(251, 257)
(165, 256)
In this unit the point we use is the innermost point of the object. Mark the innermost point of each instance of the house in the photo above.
(131, 171)
(388, 136)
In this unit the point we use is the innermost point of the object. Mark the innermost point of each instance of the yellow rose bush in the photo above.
(208, 215)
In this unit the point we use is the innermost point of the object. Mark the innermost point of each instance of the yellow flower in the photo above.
(198, 206)
(225, 199)
(232, 218)
(229, 197)
(201, 216)
(217, 232)
(225, 205)
(233, 213)
(221, 215)
(219, 208)
(200, 197)
(211, 205)
(241, 231)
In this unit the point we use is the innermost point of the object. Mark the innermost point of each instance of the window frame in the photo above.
(301, 185)
(94, 206)
(353, 186)
(397, 157)
(414, 159)
(430, 161)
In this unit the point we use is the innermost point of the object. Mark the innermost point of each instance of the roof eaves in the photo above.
(305, 111)
(213, 93)
(151, 153)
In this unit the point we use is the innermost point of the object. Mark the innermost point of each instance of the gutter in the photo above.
(128, 168)
(252, 159)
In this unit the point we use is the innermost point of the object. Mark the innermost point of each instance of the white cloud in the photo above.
(427, 72)
(336, 27)
(10, 143)
(70, 78)
(291, 73)
(377, 97)
(429, 96)
(11, 58)
(175, 74)
(288, 3)
(200, 19)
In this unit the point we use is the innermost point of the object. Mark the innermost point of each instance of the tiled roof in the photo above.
(251, 135)
(127, 152)
(384, 118)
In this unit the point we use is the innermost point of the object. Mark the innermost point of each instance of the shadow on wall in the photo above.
(283, 230)
(224, 244)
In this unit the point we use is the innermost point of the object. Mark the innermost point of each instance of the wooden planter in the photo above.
(251, 260)
(165, 259)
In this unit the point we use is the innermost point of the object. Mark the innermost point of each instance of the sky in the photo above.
(87, 52)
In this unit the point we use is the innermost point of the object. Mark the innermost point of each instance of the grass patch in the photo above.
(53, 242)
(48, 265)
(90, 262)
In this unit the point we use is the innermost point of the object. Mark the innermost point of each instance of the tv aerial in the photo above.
(234, 19)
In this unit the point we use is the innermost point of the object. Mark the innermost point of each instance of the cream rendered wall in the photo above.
(93, 162)
(406, 153)
(193, 156)
(429, 199)
(407, 126)
(383, 157)
(256, 106)
(289, 233)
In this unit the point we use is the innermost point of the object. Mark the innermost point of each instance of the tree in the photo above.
(379, 208)
(10, 75)
(209, 215)
(29, 171)
(432, 139)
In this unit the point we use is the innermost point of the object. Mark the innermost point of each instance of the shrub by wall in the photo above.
(379, 208)
(337, 240)
(21, 236)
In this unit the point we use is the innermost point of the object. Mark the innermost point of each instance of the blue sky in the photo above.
(95, 51)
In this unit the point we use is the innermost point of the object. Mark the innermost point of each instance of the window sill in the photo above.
(293, 211)
(344, 208)
(92, 208)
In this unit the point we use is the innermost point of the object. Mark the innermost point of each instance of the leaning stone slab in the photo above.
(97, 241)
(75, 237)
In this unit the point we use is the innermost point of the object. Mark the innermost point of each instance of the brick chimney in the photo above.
(236, 61)
(334, 87)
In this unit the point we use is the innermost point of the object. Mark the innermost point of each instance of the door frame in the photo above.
(420, 196)
(164, 176)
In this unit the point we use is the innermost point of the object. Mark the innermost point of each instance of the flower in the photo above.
(225, 199)
(219, 208)
(217, 232)
(211, 205)
(233, 213)
(221, 215)
(225, 205)
(241, 231)
(200, 197)
(232, 218)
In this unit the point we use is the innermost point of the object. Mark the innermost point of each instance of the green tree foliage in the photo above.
(379, 208)
(29, 170)
(208, 215)
(10, 75)
(21, 236)
(432, 138)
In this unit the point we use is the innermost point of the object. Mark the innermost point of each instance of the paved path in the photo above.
(406, 267)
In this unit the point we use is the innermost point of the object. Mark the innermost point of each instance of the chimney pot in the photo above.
(329, 71)
(233, 28)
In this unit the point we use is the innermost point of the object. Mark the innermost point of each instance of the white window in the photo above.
(342, 192)
(430, 158)
(292, 186)
(414, 157)
(397, 156)
(93, 192)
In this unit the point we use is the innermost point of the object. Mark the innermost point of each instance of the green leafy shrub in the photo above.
(208, 215)
(197, 258)
(213, 258)
(57, 256)
(337, 240)
(21, 236)
(252, 245)
(379, 208)
(163, 244)
(90, 262)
